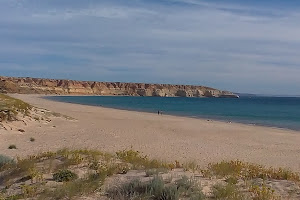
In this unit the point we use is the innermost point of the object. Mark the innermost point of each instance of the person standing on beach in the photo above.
(158, 112)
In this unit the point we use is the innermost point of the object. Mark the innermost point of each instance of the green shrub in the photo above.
(32, 139)
(246, 170)
(74, 188)
(191, 166)
(133, 157)
(185, 183)
(4, 160)
(169, 193)
(188, 187)
(12, 146)
(263, 193)
(227, 192)
(14, 105)
(13, 197)
(129, 190)
(64, 175)
(18, 168)
(231, 180)
(140, 161)
(156, 189)
(29, 191)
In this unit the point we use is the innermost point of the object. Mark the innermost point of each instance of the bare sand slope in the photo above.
(166, 137)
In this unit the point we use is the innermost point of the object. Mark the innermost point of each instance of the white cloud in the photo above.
(220, 45)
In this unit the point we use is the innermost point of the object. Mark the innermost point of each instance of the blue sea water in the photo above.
(282, 112)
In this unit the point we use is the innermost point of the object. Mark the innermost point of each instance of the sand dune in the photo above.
(165, 137)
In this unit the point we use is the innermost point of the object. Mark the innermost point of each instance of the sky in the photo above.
(241, 46)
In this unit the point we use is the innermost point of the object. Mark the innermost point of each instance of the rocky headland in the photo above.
(66, 87)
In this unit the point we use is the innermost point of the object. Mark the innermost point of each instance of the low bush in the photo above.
(191, 166)
(74, 188)
(188, 187)
(157, 189)
(237, 177)
(140, 161)
(64, 175)
(14, 105)
(227, 192)
(263, 193)
(29, 191)
(4, 160)
(12, 146)
(231, 180)
(246, 170)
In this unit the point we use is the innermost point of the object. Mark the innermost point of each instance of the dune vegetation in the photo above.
(11, 107)
(128, 174)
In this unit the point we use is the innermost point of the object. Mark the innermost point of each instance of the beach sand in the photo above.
(165, 137)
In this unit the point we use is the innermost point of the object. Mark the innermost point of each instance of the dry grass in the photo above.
(12, 109)
(263, 193)
(228, 192)
(140, 161)
(98, 166)
(4, 160)
(13, 106)
(12, 146)
(74, 188)
(245, 171)
(157, 189)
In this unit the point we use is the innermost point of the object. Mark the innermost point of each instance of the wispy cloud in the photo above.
(240, 47)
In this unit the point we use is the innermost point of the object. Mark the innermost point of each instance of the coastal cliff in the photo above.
(71, 87)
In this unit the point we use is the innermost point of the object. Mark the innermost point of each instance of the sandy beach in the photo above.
(165, 137)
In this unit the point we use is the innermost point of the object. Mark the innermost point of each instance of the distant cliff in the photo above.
(66, 87)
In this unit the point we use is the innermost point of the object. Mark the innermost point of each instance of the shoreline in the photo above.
(48, 97)
(165, 137)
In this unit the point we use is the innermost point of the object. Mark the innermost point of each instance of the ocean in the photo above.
(281, 112)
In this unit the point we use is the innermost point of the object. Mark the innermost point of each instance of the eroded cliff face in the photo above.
(65, 87)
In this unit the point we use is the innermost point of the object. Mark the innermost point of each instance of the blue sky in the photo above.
(241, 46)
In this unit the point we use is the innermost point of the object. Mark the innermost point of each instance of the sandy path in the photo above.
(165, 137)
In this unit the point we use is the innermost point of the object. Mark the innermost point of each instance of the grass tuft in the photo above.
(263, 193)
(227, 192)
(12, 146)
(64, 175)
(157, 189)
(140, 161)
(236, 178)
(10, 107)
(71, 189)
(4, 160)
(244, 170)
